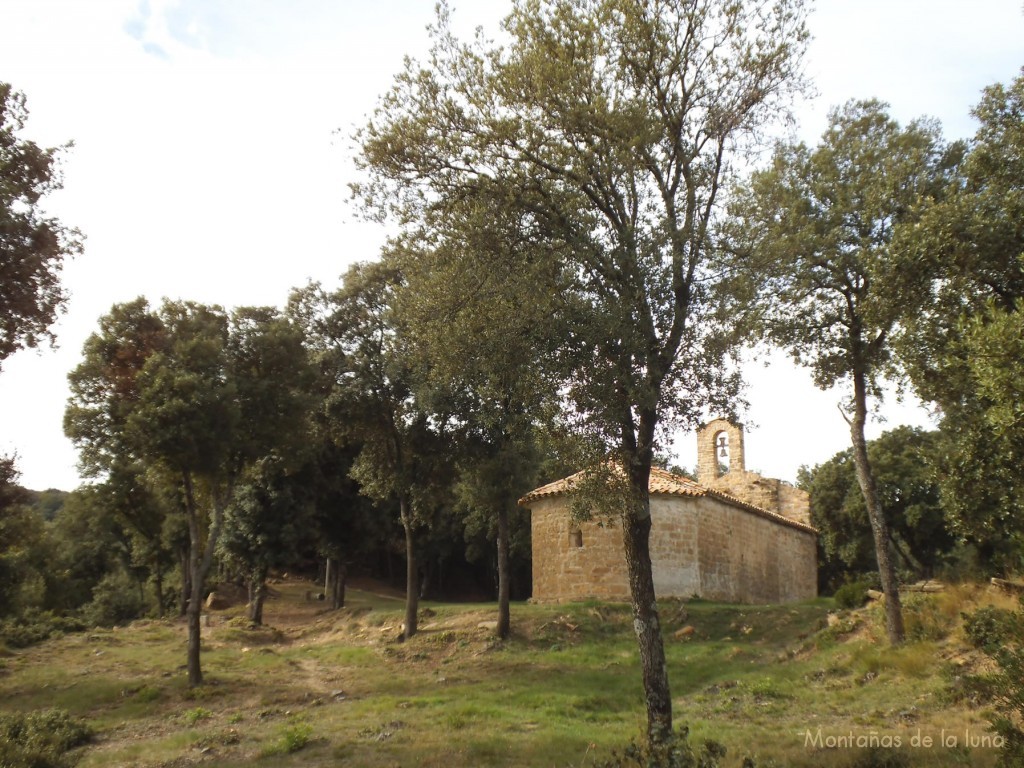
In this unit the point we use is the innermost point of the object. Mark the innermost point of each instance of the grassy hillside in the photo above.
(319, 689)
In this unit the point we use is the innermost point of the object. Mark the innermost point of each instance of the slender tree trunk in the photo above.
(636, 535)
(638, 445)
(141, 584)
(186, 581)
(412, 592)
(504, 613)
(158, 585)
(257, 595)
(193, 615)
(879, 529)
(200, 560)
(338, 590)
(636, 532)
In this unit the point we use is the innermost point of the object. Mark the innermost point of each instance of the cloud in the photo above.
(155, 50)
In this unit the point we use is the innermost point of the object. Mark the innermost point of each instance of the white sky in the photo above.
(208, 164)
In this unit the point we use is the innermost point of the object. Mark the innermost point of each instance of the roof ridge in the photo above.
(668, 483)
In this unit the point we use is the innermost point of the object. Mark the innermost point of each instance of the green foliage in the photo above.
(196, 715)
(24, 546)
(40, 739)
(852, 595)
(990, 628)
(831, 286)
(33, 246)
(1000, 633)
(902, 462)
(173, 407)
(927, 618)
(674, 751)
(964, 354)
(593, 144)
(293, 738)
(115, 600)
(34, 625)
(881, 758)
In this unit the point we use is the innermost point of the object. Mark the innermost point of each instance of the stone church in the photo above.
(733, 535)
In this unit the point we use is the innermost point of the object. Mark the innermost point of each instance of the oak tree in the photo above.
(372, 405)
(814, 232)
(611, 126)
(964, 354)
(33, 245)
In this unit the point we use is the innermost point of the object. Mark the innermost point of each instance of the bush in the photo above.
(35, 625)
(852, 595)
(988, 628)
(926, 619)
(293, 738)
(40, 739)
(115, 600)
(672, 752)
(999, 632)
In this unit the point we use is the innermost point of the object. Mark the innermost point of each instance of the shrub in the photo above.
(881, 758)
(998, 633)
(293, 738)
(193, 716)
(672, 752)
(926, 618)
(1008, 691)
(40, 739)
(852, 595)
(989, 627)
(115, 600)
(35, 625)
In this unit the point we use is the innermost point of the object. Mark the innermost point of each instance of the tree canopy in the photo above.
(964, 353)
(902, 461)
(815, 233)
(33, 246)
(610, 127)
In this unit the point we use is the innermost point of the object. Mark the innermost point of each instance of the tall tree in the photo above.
(33, 246)
(962, 356)
(186, 423)
(609, 125)
(265, 524)
(901, 459)
(476, 348)
(196, 396)
(372, 405)
(817, 229)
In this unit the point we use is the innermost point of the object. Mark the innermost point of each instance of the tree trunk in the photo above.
(158, 585)
(636, 533)
(879, 529)
(504, 614)
(412, 592)
(186, 580)
(195, 605)
(200, 560)
(338, 590)
(257, 595)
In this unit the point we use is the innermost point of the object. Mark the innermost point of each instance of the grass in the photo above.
(322, 689)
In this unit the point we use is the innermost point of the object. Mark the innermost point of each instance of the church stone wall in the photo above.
(699, 546)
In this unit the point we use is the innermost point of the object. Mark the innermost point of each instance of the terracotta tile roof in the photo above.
(669, 484)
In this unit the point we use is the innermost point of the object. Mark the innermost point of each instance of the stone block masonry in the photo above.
(700, 546)
(734, 536)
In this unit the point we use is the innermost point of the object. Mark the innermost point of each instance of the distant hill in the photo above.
(47, 503)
